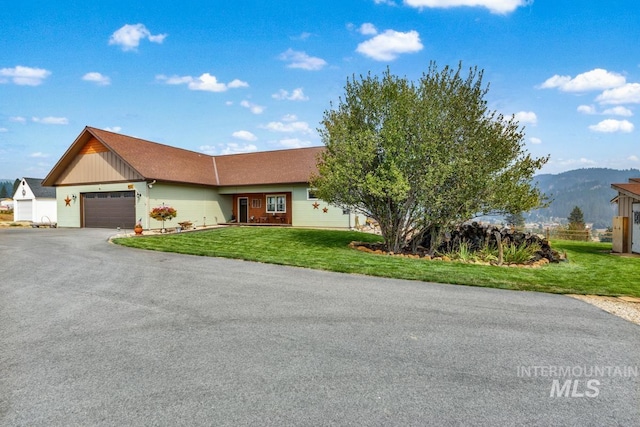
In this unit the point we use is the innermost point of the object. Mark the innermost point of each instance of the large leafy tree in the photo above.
(422, 157)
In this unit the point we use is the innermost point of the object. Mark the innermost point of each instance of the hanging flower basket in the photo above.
(162, 213)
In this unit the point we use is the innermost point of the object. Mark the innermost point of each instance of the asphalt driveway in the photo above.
(96, 334)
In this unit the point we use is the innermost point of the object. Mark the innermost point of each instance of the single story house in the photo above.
(34, 202)
(626, 225)
(110, 180)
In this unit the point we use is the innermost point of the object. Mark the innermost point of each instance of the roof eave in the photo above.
(625, 192)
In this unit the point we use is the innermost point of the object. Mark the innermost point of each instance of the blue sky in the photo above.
(224, 77)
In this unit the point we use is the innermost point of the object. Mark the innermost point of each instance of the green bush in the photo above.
(519, 254)
(488, 253)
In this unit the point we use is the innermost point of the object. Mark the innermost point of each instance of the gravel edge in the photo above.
(627, 310)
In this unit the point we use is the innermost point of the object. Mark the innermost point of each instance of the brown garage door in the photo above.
(109, 209)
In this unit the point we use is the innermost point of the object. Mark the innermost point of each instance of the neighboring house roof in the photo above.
(631, 189)
(39, 191)
(154, 161)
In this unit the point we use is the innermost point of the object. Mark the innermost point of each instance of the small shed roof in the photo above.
(40, 191)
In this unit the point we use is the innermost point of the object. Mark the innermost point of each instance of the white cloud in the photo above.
(294, 143)
(368, 29)
(526, 117)
(495, 6)
(128, 37)
(296, 95)
(174, 80)
(388, 45)
(208, 149)
(18, 119)
(535, 140)
(230, 148)
(596, 79)
(3, 130)
(244, 135)
(302, 127)
(611, 125)
(235, 84)
(38, 155)
(24, 76)
(615, 111)
(627, 94)
(51, 120)
(303, 36)
(387, 2)
(115, 129)
(254, 108)
(633, 158)
(587, 109)
(302, 60)
(233, 148)
(206, 82)
(573, 162)
(99, 79)
(618, 111)
(289, 118)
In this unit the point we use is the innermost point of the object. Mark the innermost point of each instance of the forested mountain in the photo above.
(589, 189)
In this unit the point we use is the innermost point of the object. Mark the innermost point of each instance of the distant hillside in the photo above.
(6, 188)
(589, 189)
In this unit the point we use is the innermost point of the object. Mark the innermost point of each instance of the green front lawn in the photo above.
(591, 269)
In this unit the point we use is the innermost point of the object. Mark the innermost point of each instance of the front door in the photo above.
(243, 209)
(635, 228)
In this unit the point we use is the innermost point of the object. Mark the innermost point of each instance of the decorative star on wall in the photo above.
(325, 210)
(67, 201)
(316, 205)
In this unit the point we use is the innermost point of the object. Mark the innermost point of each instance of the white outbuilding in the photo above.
(35, 203)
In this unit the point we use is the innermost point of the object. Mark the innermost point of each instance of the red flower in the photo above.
(162, 213)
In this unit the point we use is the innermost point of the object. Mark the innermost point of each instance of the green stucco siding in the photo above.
(306, 215)
(200, 205)
(70, 216)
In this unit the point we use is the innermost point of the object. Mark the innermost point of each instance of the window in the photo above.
(276, 204)
(256, 203)
(311, 194)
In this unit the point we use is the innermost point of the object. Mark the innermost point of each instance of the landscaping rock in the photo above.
(476, 236)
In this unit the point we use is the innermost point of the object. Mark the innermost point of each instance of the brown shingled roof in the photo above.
(631, 189)
(267, 167)
(170, 164)
(158, 161)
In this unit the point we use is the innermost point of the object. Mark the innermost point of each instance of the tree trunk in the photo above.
(500, 249)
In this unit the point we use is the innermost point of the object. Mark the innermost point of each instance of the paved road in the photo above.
(96, 334)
